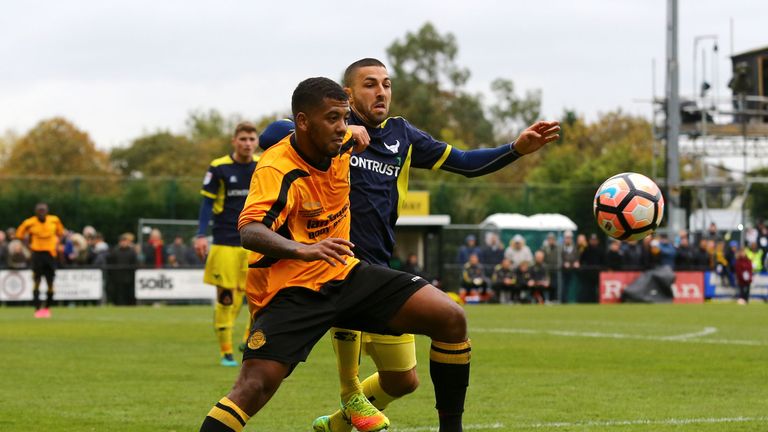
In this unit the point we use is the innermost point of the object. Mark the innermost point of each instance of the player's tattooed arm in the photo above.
(258, 237)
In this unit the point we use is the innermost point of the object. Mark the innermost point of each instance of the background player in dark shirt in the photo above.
(225, 188)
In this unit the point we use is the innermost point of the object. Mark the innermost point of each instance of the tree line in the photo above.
(158, 174)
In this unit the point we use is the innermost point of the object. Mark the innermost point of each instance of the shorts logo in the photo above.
(257, 340)
(415, 278)
(345, 336)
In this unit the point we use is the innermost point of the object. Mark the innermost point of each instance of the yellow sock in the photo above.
(225, 414)
(375, 394)
(222, 321)
(346, 345)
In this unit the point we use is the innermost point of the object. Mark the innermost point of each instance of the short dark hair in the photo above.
(311, 92)
(351, 69)
(245, 127)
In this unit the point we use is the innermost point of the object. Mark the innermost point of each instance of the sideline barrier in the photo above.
(715, 288)
(687, 288)
(172, 284)
(69, 285)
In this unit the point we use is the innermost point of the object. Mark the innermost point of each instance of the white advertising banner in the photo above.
(172, 284)
(70, 284)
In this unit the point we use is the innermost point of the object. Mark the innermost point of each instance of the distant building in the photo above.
(750, 78)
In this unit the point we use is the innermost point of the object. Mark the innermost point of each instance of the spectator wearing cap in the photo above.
(470, 247)
(518, 251)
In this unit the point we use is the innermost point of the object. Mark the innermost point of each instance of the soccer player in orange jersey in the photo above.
(297, 217)
(43, 233)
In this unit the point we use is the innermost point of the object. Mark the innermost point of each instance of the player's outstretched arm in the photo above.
(257, 237)
(537, 136)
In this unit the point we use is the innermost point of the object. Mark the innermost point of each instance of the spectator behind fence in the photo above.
(755, 255)
(712, 233)
(570, 257)
(412, 266)
(701, 255)
(99, 251)
(492, 252)
(178, 253)
(553, 252)
(592, 260)
(18, 255)
(614, 258)
(722, 266)
(503, 281)
(540, 283)
(3, 250)
(743, 269)
(632, 255)
(474, 279)
(524, 279)
(518, 251)
(123, 261)
(155, 254)
(468, 248)
(685, 259)
(762, 236)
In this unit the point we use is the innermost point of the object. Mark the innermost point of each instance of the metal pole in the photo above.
(673, 118)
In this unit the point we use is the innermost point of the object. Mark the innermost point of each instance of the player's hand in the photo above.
(361, 137)
(329, 250)
(537, 136)
(201, 247)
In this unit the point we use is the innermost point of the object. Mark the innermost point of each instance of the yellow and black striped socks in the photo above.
(225, 416)
(449, 370)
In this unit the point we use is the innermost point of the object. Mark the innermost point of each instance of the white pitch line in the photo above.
(605, 423)
(685, 338)
(706, 332)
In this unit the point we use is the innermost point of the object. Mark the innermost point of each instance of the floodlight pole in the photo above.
(673, 120)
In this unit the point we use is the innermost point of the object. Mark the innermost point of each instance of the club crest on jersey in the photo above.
(257, 340)
(394, 147)
(232, 179)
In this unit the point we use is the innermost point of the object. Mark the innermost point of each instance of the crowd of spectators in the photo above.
(89, 249)
(515, 274)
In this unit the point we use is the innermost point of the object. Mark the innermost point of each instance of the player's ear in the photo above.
(348, 91)
(302, 121)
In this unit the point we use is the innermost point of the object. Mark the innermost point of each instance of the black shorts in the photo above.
(296, 318)
(43, 264)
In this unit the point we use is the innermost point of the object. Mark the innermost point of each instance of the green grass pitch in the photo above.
(559, 368)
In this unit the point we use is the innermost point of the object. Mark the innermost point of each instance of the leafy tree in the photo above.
(511, 114)
(161, 154)
(55, 147)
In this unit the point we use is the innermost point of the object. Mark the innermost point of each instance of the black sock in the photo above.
(449, 370)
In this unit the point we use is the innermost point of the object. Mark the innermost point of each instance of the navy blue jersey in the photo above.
(227, 182)
(379, 177)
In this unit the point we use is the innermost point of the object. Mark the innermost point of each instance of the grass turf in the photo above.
(559, 368)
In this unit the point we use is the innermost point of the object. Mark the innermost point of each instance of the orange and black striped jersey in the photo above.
(43, 236)
(303, 203)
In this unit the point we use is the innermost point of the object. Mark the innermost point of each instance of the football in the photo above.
(628, 206)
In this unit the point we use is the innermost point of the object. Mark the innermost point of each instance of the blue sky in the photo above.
(122, 68)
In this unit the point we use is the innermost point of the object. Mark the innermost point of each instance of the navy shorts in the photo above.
(287, 328)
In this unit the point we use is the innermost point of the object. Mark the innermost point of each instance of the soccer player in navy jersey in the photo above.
(379, 180)
(224, 190)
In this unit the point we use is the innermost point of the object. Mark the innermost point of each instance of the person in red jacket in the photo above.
(743, 267)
